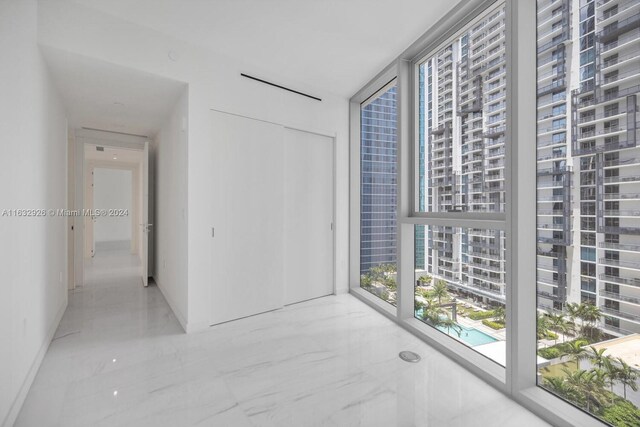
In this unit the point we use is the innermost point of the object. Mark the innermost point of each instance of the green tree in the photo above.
(564, 327)
(590, 315)
(597, 356)
(436, 316)
(561, 387)
(590, 384)
(424, 280)
(627, 376)
(576, 352)
(499, 314)
(574, 310)
(542, 325)
(440, 290)
(555, 322)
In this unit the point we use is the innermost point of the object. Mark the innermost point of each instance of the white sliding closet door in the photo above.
(247, 249)
(308, 216)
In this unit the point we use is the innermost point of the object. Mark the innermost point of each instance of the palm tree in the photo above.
(589, 383)
(576, 352)
(562, 387)
(556, 321)
(591, 314)
(565, 327)
(499, 314)
(574, 310)
(597, 357)
(627, 376)
(436, 316)
(448, 323)
(440, 290)
(542, 325)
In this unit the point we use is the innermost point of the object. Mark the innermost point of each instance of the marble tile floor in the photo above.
(120, 358)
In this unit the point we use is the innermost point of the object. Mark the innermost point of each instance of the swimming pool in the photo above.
(470, 336)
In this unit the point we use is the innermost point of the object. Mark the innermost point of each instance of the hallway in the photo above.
(121, 358)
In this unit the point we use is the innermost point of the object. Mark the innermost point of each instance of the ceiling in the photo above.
(104, 96)
(122, 155)
(334, 45)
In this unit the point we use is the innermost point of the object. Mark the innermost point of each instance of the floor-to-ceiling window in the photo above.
(378, 194)
(460, 277)
(588, 280)
(518, 201)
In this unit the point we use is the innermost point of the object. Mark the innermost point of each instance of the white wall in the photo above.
(168, 158)
(33, 252)
(112, 189)
(214, 82)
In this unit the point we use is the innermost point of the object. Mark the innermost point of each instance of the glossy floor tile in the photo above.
(120, 358)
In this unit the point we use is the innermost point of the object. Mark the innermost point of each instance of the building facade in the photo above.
(462, 128)
(588, 187)
(589, 159)
(378, 192)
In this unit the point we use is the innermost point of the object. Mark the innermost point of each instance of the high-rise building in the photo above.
(462, 125)
(378, 165)
(588, 158)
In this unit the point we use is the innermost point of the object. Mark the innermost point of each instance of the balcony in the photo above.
(550, 212)
(614, 30)
(492, 294)
(622, 196)
(622, 7)
(616, 330)
(551, 156)
(620, 263)
(618, 297)
(479, 254)
(619, 94)
(552, 240)
(484, 266)
(552, 198)
(620, 246)
(606, 114)
(612, 146)
(553, 43)
(621, 179)
(618, 313)
(548, 282)
(620, 230)
(557, 85)
(620, 280)
(549, 295)
(621, 162)
(550, 254)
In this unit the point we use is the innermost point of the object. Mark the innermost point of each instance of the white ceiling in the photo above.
(123, 155)
(104, 96)
(334, 45)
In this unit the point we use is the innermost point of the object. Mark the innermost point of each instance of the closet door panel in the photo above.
(308, 216)
(247, 244)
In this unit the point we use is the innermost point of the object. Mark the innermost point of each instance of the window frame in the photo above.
(518, 378)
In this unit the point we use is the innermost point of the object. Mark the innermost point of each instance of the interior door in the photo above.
(247, 222)
(308, 216)
(144, 212)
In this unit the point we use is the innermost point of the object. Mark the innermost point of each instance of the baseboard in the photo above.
(194, 327)
(172, 305)
(33, 370)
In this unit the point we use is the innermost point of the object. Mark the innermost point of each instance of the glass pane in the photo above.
(588, 279)
(378, 181)
(462, 112)
(460, 287)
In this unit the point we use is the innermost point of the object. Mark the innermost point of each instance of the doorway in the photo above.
(112, 204)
